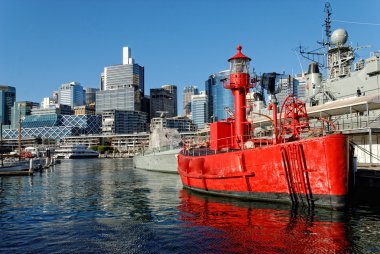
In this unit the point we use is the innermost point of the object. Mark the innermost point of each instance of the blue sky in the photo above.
(44, 43)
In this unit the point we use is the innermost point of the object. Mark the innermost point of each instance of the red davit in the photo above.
(285, 168)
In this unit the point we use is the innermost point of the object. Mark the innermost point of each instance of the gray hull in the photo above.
(160, 161)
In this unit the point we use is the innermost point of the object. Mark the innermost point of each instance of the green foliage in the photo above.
(102, 149)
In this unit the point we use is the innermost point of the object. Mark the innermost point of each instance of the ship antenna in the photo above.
(328, 24)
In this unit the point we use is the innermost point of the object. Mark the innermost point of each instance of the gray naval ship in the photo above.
(347, 94)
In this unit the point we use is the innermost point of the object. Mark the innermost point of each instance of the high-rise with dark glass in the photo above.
(163, 100)
(218, 97)
(7, 99)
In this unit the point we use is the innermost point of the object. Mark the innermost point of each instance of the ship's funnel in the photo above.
(313, 80)
(313, 68)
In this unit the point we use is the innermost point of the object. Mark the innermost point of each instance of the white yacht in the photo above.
(75, 152)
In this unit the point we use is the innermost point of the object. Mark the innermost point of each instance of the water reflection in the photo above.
(263, 228)
(107, 206)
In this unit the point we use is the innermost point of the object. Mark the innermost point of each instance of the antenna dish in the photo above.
(339, 37)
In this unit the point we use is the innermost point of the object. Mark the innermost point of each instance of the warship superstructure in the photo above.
(346, 91)
(344, 77)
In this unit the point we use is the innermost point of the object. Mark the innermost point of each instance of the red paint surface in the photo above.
(263, 170)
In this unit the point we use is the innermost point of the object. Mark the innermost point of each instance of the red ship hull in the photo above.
(313, 171)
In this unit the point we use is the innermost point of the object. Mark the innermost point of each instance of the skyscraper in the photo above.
(188, 91)
(218, 98)
(124, 76)
(163, 100)
(199, 109)
(71, 94)
(7, 99)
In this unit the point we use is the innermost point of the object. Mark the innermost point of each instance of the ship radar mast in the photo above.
(328, 24)
(319, 55)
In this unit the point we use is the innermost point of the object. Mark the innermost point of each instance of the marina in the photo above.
(107, 206)
(188, 145)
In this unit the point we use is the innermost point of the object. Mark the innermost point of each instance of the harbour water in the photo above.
(106, 206)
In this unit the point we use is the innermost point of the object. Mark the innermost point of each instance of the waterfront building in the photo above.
(7, 99)
(199, 109)
(188, 91)
(56, 126)
(163, 100)
(128, 144)
(123, 121)
(90, 95)
(218, 98)
(24, 108)
(124, 76)
(181, 123)
(71, 94)
(118, 99)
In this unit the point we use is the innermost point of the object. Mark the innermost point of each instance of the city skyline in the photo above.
(44, 44)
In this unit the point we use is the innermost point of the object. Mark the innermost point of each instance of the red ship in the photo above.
(285, 168)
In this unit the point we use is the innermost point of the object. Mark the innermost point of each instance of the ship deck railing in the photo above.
(202, 148)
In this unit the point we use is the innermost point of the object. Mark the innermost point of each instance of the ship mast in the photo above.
(19, 133)
(328, 25)
(315, 55)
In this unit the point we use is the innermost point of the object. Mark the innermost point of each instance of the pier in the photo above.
(27, 169)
